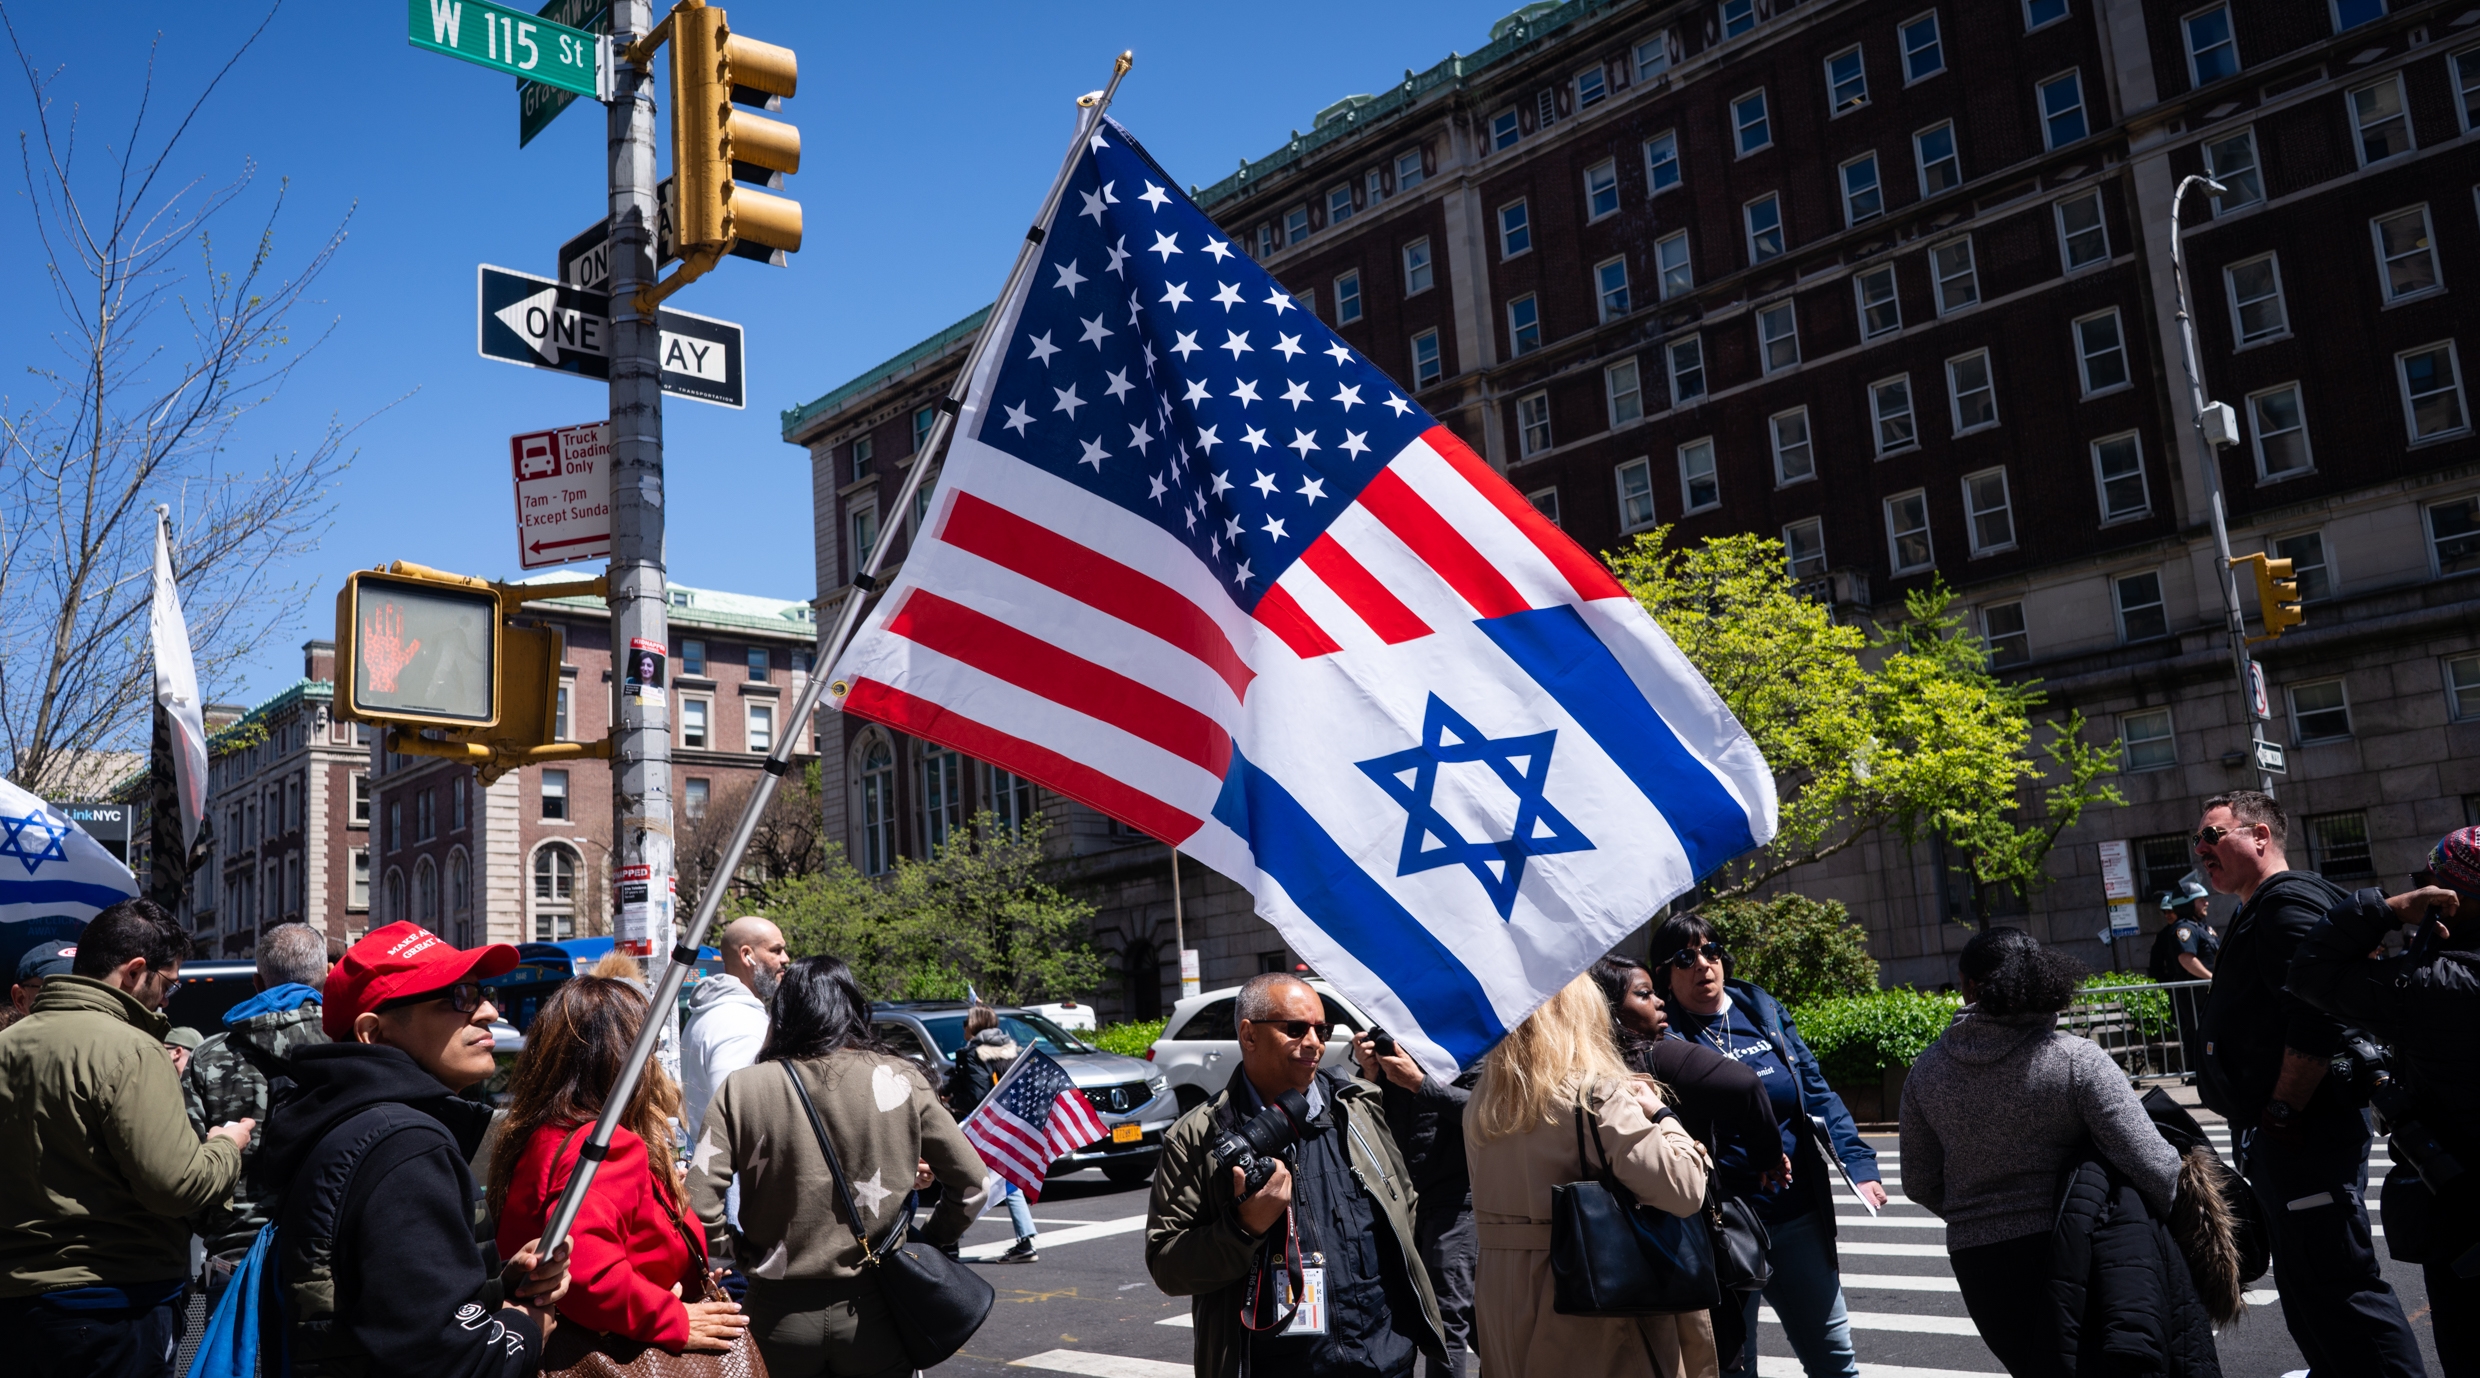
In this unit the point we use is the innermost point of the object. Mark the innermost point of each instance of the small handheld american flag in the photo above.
(1033, 1119)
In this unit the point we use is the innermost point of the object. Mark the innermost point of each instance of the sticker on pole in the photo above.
(635, 885)
(563, 480)
(643, 684)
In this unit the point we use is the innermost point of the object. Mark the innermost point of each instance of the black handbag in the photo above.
(1611, 1256)
(1740, 1243)
(936, 1302)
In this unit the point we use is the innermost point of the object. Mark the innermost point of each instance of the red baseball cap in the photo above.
(401, 959)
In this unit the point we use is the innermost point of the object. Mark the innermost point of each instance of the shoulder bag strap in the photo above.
(835, 1168)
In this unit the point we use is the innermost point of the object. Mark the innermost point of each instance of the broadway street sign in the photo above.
(538, 104)
(512, 41)
(538, 323)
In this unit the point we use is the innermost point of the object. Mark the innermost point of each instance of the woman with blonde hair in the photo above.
(1520, 1134)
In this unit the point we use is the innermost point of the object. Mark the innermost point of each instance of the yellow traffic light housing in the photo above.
(2277, 594)
(715, 145)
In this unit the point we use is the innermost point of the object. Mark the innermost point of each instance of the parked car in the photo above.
(520, 991)
(1133, 1100)
(1200, 1043)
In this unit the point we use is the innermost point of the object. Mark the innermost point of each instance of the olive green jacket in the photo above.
(1195, 1245)
(98, 1163)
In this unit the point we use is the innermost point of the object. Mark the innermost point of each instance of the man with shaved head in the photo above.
(727, 1013)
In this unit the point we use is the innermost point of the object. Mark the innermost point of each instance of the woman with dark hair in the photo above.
(811, 1307)
(1993, 1112)
(639, 1271)
(1740, 1021)
(1722, 1103)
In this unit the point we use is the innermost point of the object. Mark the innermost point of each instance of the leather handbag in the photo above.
(1740, 1238)
(1612, 1256)
(935, 1302)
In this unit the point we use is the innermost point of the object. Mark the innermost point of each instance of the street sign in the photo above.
(539, 323)
(563, 480)
(2118, 886)
(585, 260)
(2259, 702)
(511, 41)
(538, 103)
(2269, 758)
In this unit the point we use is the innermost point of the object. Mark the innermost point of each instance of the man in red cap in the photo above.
(369, 1151)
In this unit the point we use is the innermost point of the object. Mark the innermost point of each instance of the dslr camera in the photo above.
(2398, 1114)
(1261, 1141)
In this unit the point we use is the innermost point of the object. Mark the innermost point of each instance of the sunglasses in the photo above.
(464, 997)
(2213, 833)
(1290, 1028)
(1686, 957)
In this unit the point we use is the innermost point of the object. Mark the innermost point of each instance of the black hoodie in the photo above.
(367, 1153)
(2250, 1015)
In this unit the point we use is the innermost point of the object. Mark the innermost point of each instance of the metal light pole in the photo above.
(2215, 426)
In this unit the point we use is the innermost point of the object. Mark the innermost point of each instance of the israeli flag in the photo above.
(50, 868)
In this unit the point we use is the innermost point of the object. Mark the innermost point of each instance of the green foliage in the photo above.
(1902, 728)
(2150, 1009)
(976, 913)
(1131, 1038)
(1857, 1037)
(1798, 948)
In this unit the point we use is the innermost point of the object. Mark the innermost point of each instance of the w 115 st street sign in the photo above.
(539, 323)
(510, 40)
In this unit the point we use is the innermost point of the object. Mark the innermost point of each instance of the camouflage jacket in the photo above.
(227, 1082)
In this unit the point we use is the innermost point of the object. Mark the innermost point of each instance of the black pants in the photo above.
(1450, 1244)
(2341, 1312)
(2006, 1288)
(2454, 1314)
(55, 1342)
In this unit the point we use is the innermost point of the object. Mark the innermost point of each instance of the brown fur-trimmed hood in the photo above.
(2207, 1231)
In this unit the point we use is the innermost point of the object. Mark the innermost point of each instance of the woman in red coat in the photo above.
(636, 1273)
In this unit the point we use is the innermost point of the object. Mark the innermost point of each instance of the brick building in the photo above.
(1894, 283)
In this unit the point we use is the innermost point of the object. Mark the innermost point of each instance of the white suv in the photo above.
(1200, 1043)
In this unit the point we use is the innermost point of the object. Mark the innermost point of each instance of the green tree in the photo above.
(975, 913)
(1798, 948)
(1898, 728)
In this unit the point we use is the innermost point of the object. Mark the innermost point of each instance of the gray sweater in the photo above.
(1998, 1105)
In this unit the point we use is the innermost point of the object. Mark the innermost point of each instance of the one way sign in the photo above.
(538, 323)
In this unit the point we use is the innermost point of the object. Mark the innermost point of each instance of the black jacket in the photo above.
(1429, 1128)
(1720, 1102)
(2249, 1014)
(366, 1156)
(2426, 1005)
(2125, 1301)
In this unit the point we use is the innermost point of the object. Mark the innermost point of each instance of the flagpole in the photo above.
(684, 956)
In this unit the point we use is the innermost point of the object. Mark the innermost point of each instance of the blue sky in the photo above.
(928, 136)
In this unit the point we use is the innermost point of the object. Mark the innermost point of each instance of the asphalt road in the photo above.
(1087, 1306)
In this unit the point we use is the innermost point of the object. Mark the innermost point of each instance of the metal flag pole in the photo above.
(683, 956)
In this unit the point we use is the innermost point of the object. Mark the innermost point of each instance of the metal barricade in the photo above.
(2152, 1030)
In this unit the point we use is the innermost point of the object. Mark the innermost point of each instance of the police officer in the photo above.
(2187, 946)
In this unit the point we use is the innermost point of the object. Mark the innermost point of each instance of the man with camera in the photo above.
(2426, 1004)
(1428, 1118)
(1284, 1208)
(2303, 1142)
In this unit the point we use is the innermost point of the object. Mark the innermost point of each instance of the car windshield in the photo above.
(1029, 1030)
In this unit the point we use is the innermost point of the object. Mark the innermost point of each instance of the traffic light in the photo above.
(715, 145)
(2277, 594)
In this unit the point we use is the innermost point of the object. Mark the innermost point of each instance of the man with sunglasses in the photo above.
(2302, 1138)
(367, 1145)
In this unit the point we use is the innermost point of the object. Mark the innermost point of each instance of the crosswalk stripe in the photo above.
(1888, 1320)
(1127, 1224)
(1100, 1365)
(1900, 1282)
(1875, 1250)
(1887, 1222)
(1184, 1321)
(1785, 1366)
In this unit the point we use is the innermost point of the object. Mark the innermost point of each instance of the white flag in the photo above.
(50, 868)
(176, 687)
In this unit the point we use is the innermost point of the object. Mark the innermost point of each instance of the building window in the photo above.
(2256, 309)
(693, 657)
(2147, 741)
(2463, 688)
(1408, 170)
(1601, 189)
(1533, 423)
(361, 799)
(875, 788)
(1847, 82)
(1373, 183)
(2350, 14)
(1670, 255)
(357, 892)
(2338, 846)
(693, 724)
(2003, 632)
(2212, 54)
(1754, 131)
(1610, 285)
(1013, 798)
(1417, 275)
(2040, 14)
(1699, 488)
(1505, 130)
(861, 449)
(1524, 325)
(1795, 459)
(1295, 225)
(1625, 392)
(1687, 363)
(1515, 230)
(1907, 532)
(2466, 65)
(1863, 198)
(1778, 337)
(1974, 398)
(940, 810)
(1738, 17)
(1339, 204)
(1890, 403)
(2432, 388)
(555, 794)
(395, 827)
(425, 816)
(923, 419)
(1765, 229)
(2101, 352)
(2377, 113)
(1635, 480)
(1991, 519)
(1880, 313)
(2232, 162)
(395, 909)
(1546, 502)
(2320, 711)
(2141, 616)
(2280, 432)
(460, 793)
(1661, 162)
(2406, 259)
(2083, 240)
(761, 727)
(1804, 547)
(1546, 107)
(425, 894)
(1923, 55)
(1265, 241)
(2309, 569)
(1425, 366)
(1933, 150)
(2454, 534)
(1653, 57)
(2062, 109)
(1347, 298)
(2118, 471)
(1958, 279)
(694, 794)
(760, 662)
(460, 895)
(555, 893)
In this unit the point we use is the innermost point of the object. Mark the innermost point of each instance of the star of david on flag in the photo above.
(1196, 562)
(50, 868)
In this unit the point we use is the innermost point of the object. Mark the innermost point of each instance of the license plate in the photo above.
(1126, 1133)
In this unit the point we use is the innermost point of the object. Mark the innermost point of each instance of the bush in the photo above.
(1857, 1037)
(1799, 949)
(2149, 1009)
(1131, 1038)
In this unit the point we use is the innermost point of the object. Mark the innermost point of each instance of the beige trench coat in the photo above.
(1517, 1331)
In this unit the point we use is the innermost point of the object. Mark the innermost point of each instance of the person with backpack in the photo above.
(2302, 1141)
(981, 1064)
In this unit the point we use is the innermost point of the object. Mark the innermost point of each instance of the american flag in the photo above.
(1195, 561)
(1033, 1119)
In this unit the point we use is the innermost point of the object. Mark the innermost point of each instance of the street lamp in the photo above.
(2216, 425)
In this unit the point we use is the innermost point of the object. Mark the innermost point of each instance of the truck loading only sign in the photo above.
(563, 480)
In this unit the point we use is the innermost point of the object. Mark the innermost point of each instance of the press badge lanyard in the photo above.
(1288, 1259)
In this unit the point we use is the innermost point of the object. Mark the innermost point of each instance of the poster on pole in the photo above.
(2118, 885)
(563, 484)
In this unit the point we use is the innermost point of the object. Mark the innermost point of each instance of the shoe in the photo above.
(1022, 1253)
